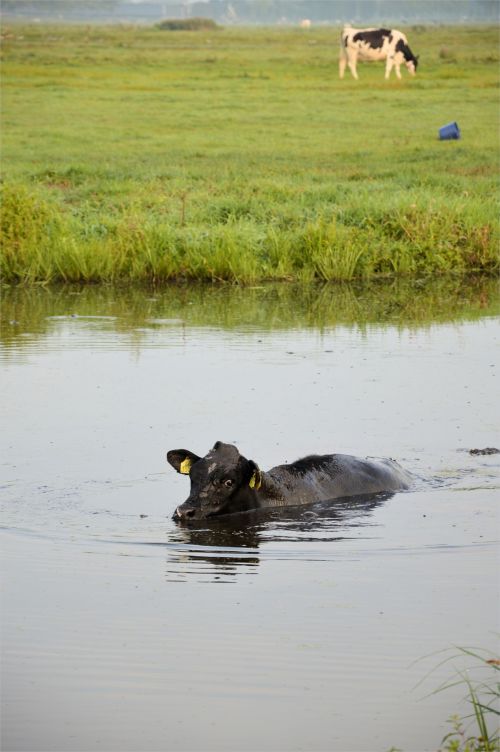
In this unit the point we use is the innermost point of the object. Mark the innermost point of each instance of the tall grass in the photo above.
(41, 242)
(479, 730)
(484, 698)
(239, 156)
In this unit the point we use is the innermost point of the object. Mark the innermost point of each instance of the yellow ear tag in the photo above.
(255, 481)
(185, 466)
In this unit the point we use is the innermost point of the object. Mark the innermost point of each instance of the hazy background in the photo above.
(265, 12)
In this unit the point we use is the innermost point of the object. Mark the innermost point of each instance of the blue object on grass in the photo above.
(450, 131)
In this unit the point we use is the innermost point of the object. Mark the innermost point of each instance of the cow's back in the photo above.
(332, 476)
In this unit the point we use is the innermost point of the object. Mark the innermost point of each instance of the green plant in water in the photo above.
(458, 741)
(479, 731)
(484, 698)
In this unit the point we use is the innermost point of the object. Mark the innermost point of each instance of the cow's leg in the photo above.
(342, 62)
(388, 66)
(351, 62)
(398, 71)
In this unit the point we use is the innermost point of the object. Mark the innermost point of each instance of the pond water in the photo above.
(300, 629)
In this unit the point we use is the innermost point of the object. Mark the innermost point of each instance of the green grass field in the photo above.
(140, 154)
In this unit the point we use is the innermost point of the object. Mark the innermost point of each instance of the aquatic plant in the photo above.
(484, 697)
(479, 730)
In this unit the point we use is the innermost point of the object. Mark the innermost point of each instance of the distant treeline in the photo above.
(268, 12)
(188, 24)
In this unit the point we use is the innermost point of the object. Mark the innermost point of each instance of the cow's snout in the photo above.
(184, 512)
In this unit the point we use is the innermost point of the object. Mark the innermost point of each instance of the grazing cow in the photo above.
(390, 45)
(224, 482)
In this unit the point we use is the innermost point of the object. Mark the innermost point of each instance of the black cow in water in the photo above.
(224, 482)
(390, 45)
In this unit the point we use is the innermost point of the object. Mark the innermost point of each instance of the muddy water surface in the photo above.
(291, 630)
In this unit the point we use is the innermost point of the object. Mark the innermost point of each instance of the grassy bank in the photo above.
(139, 154)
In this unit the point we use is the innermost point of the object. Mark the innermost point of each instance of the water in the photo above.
(303, 629)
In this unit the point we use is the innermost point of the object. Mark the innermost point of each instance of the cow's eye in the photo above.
(228, 482)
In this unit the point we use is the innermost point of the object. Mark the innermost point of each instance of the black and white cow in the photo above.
(390, 45)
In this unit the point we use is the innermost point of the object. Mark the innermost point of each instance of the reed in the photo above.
(477, 731)
(484, 699)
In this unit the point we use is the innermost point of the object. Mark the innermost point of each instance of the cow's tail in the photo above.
(342, 53)
(345, 31)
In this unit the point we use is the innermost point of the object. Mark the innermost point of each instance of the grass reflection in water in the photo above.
(403, 303)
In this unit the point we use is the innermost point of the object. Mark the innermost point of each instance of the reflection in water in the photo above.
(225, 545)
(30, 314)
(230, 546)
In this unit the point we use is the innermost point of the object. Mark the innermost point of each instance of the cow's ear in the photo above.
(255, 481)
(182, 460)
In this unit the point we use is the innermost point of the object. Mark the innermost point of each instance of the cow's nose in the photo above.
(184, 512)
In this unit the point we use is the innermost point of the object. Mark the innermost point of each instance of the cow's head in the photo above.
(410, 60)
(222, 482)
(412, 64)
